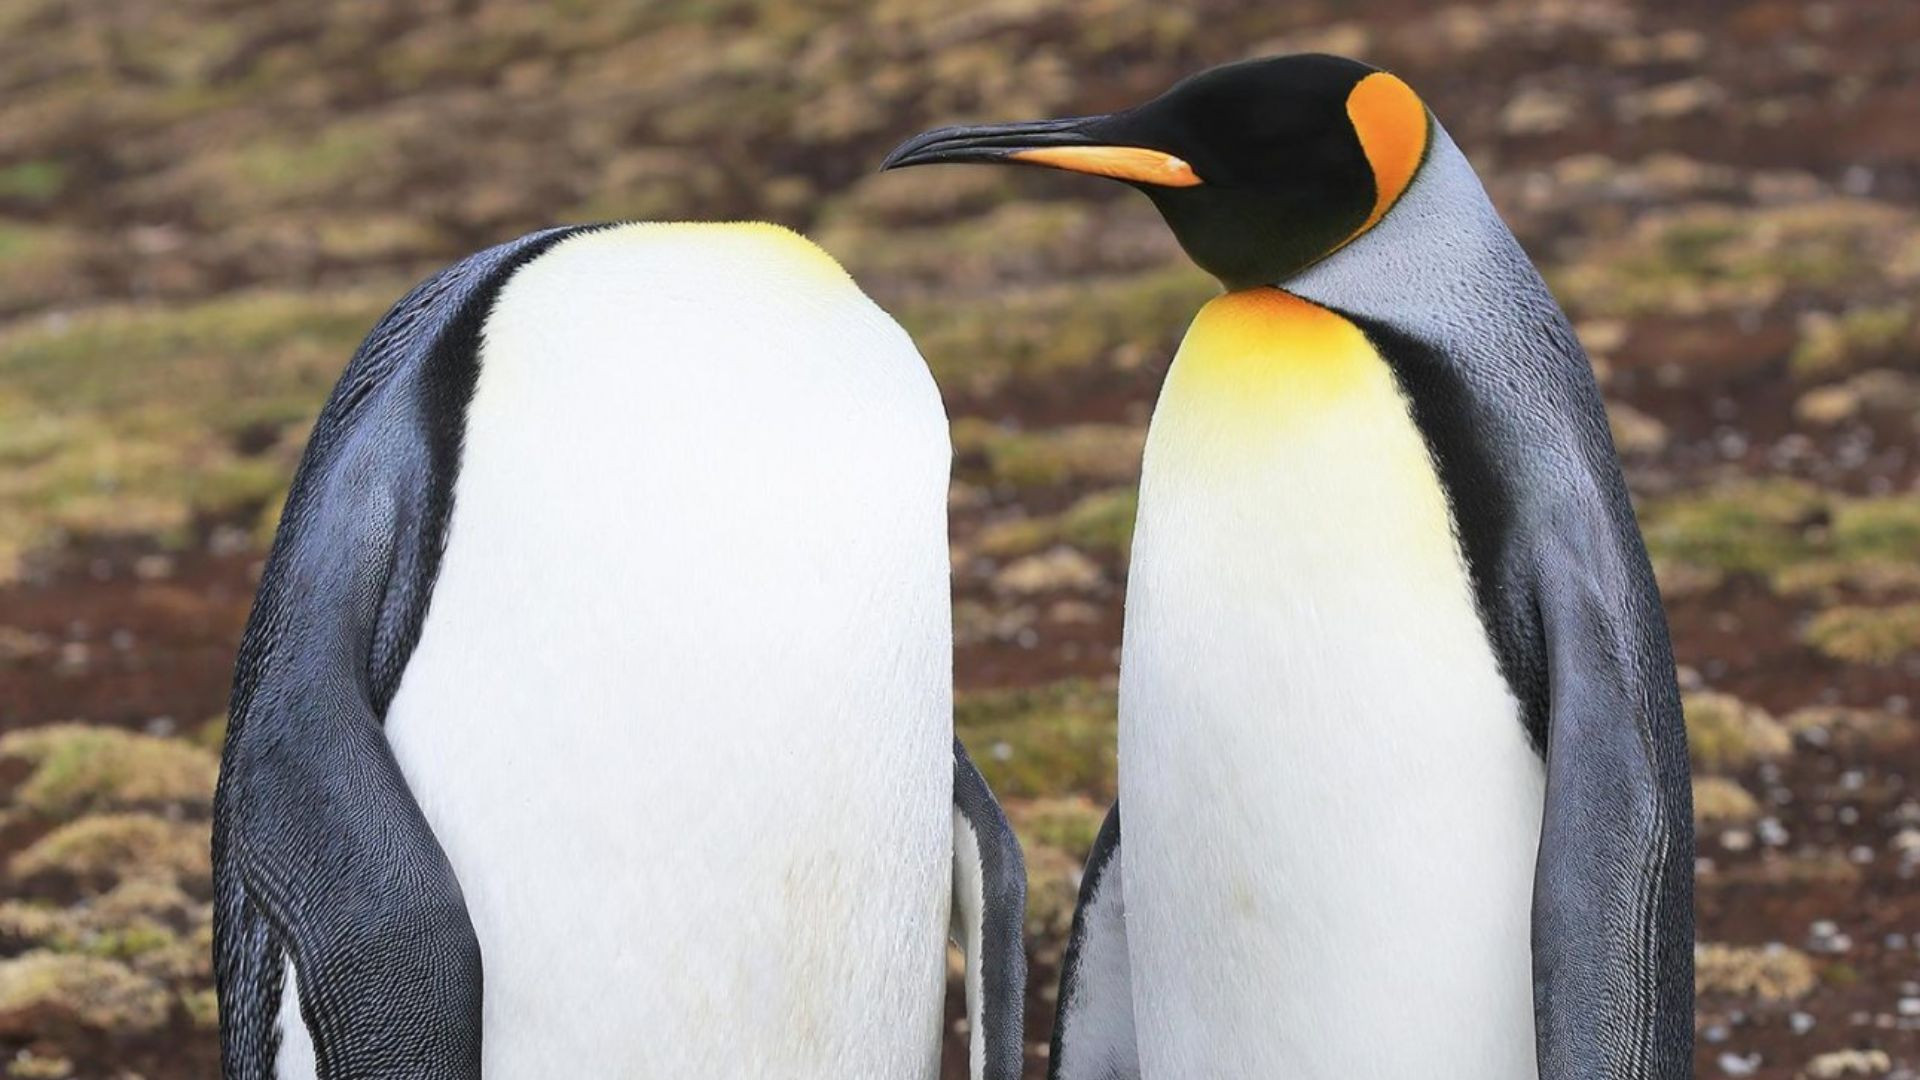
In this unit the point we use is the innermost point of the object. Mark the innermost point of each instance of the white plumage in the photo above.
(1331, 810)
(680, 713)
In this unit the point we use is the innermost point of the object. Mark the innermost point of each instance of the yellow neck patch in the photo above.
(1392, 125)
(1283, 437)
(1273, 359)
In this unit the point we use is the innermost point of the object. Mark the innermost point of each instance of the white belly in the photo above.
(1331, 811)
(681, 710)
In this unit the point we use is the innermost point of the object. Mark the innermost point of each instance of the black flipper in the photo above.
(989, 917)
(1093, 1035)
(1613, 897)
(320, 852)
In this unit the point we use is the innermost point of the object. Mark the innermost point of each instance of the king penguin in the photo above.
(604, 651)
(1401, 755)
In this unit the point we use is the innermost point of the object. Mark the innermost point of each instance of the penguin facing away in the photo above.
(1400, 746)
(595, 713)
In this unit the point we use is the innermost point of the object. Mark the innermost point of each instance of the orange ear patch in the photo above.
(1135, 163)
(1392, 125)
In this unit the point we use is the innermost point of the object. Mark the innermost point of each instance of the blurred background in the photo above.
(204, 204)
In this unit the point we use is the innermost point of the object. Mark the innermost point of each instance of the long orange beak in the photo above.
(1055, 144)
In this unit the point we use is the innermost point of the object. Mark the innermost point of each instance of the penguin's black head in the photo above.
(1262, 168)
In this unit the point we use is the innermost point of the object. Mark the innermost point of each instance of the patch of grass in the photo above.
(1068, 825)
(884, 200)
(212, 734)
(1010, 240)
(1053, 740)
(39, 265)
(131, 419)
(85, 991)
(1725, 733)
(979, 345)
(1870, 546)
(1712, 257)
(1797, 537)
(1035, 459)
(112, 848)
(202, 1007)
(1099, 523)
(1753, 527)
(1014, 537)
(1053, 892)
(1856, 338)
(1878, 528)
(304, 167)
(1102, 521)
(1872, 728)
(242, 349)
(33, 181)
(1719, 801)
(79, 768)
(1866, 635)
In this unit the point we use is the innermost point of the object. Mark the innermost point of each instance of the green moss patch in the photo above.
(32, 181)
(1725, 733)
(1053, 740)
(1746, 527)
(111, 848)
(1719, 801)
(1800, 539)
(1866, 635)
(1099, 524)
(1713, 257)
(79, 769)
(65, 990)
(1077, 453)
(978, 346)
(1855, 338)
(136, 420)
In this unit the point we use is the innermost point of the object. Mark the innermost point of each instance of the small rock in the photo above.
(1635, 434)
(153, 567)
(1769, 973)
(1825, 406)
(1073, 611)
(1845, 1063)
(1672, 100)
(27, 1065)
(1061, 568)
(1824, 936)
(18, 644)
(1536, 112)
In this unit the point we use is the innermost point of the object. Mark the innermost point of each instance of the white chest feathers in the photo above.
(1331, 810)
(681, 710)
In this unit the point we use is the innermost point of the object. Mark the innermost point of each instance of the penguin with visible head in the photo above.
(595, 713)
(1400, 746)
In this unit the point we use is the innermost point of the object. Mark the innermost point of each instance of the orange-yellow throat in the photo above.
(1269, 358)
(1273, 398)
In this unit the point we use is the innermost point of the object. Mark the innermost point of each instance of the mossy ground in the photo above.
(204, 206)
